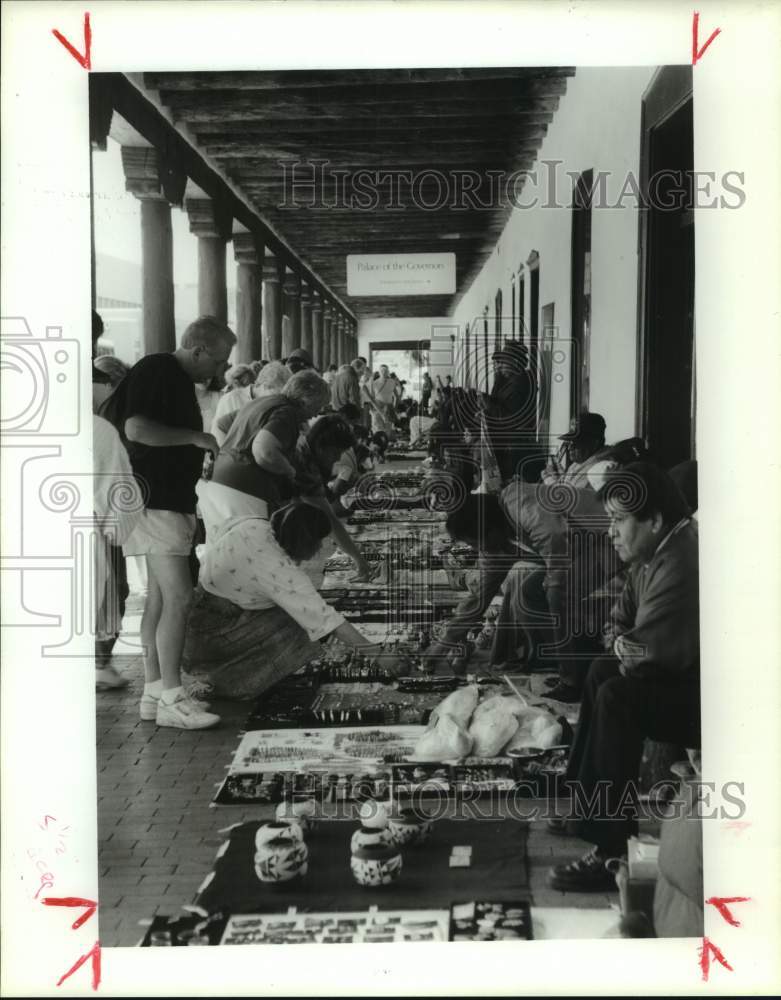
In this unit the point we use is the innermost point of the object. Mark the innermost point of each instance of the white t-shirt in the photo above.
(229, 402)
(207, 403)
(245, 564)
(117, 499)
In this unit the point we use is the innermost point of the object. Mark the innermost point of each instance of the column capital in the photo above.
(317, 303)
(305, 294)
(150, 177)
(291, 285)
(270, 267)
(245, 247)
(209, 218)
(327, 310)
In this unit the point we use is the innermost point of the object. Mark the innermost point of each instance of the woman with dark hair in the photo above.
(257, 615)
(353, 461)
(480, 522)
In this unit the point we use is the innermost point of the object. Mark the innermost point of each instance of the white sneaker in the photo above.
(147, 708)
(184, 714)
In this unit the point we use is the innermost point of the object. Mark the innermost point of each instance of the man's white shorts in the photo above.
(161, 533)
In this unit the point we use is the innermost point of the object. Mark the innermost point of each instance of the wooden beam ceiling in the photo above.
(422, 127)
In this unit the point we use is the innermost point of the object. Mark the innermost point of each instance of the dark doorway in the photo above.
(581, 293)
(522, 331)
(546, 371)
(666, 307)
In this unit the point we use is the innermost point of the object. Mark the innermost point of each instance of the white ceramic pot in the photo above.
(281, 859)
(408, 828)
(278, 828)
(375, 866)
(366, 836)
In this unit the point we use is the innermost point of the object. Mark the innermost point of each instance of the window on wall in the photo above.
(581, 292)
(498, 320)
(486, 350)
(535, 364)
(533, 263)
(546, 371)
(521, 304)
(512, 306)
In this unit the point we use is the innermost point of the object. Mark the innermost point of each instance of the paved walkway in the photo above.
(157, 834)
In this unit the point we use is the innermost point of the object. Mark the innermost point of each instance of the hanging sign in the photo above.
(401, 274)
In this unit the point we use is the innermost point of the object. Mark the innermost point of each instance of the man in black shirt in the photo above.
(166, 441)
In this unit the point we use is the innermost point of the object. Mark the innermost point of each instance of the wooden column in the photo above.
(353, 340)
(212, 225)
(327, 348)
(348, 340)
(249, 303)
(292, 312)
(156, 185)
(306, 317)
(339, 338)
(336, 340)
(272, 311)
(343, 359)
(317, 331)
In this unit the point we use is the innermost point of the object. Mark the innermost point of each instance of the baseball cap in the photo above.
(588, 425)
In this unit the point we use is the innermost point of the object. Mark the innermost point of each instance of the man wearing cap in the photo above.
(298, 360)
(512, 407)
(579, 451)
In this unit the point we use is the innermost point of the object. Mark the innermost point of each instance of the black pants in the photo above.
(616, 716)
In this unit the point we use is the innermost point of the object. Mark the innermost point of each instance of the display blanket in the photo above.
(498, 870)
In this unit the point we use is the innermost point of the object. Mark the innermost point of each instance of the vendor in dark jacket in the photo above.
(512, 408)
(649, 687)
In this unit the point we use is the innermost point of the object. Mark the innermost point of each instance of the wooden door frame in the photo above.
(670, 88)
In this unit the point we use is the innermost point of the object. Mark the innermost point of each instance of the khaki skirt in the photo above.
(242, 653)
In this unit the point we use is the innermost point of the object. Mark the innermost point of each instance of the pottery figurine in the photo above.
(375, 865)
(367, 836)
(407, 827)
(278, 828)
(281, 859)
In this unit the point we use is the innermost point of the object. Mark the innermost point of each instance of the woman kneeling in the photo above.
(257, 615)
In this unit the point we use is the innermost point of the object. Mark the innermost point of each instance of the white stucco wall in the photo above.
(597, 126)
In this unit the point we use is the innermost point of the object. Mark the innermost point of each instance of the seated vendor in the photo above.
(649, 686)
(257, 615)
(480, 522)
(579, 451)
